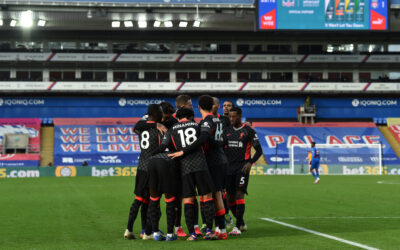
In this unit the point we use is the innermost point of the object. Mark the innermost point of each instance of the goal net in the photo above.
(353, 159)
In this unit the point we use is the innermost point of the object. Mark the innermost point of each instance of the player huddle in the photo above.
(183, 159)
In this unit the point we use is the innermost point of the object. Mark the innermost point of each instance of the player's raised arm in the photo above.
(143, 125)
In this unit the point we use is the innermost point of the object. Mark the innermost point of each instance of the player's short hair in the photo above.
(237, 110)
(233, 105)
(216, 100)
(181, 100)
(184, 113)
(206, 102)
(155, 111)
(167, 108)
(313, 143)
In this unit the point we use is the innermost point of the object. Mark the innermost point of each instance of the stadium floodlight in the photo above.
(168, 24)
(115, 24)
(13, 23)
(183, 24)
(196, 23)
(89, 14)
(142, 24)
(128, 24)
(1, 22)
(27, 19)
(41, 23)
(157, 24)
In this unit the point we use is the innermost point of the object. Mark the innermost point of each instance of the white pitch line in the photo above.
(388, 182)
(321, 234)
(341, 217)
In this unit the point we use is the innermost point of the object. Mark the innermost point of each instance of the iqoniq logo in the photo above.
(240, 102)
(122, 102)
(355, 103)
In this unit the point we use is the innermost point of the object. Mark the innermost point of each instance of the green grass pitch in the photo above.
(91, 213)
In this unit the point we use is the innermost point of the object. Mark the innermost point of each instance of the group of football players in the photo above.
(183, 160)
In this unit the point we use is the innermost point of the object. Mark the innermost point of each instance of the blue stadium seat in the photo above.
(375, 120)
(50, 121)
(380, 120)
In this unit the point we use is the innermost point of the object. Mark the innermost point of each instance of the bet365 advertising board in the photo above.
(322, 14)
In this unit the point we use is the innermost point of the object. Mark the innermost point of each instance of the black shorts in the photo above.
(142, 184)
(237, 182)
(200, 180)
(163, 176)
(224, 169)
(217, 173)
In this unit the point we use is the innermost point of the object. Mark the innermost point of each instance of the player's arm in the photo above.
(143, 125)
(205, 134)
(224, 140)
(257, 146)
(195, 145)
(166, 142)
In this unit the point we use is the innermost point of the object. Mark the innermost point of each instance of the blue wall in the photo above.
(55, 107)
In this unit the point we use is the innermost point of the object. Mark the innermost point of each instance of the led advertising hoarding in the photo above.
(322, 14)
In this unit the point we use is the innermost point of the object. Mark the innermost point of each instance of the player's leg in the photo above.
(141, 192)
(209, 213)
(189, 194)
(312, 169)
(189, 216)
(204, 226)
(153, 214)
(317, 172)
(171, 213)
(196, 218)
(147, 231)
(240, 208)
(133, 212)
(228, 218)
(205, 187)
(178, 216)
(231, 200)
(220, 215)
(231, 193)
(242, 181)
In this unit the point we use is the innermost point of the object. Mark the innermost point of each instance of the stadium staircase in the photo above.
(47, 145)
(391, 139)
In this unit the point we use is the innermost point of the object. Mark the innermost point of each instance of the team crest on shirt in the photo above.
(205, 124)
